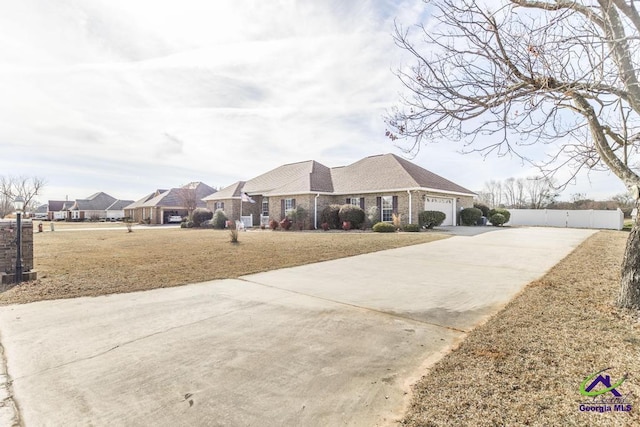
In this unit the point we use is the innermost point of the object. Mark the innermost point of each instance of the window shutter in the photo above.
(348, 201)
(379, 205)
(293, 203)
(362, 203)
(222, 205)
(281, 208)
(395, 205)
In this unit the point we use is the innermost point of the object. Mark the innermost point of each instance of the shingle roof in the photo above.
(96, 202)
(119, 205)
(142, 201)
(388, 172)
(293, 178)
(56, 205)
(385, 172)
(229, 192)
(175, 197)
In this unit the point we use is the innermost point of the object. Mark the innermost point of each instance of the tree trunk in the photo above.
(630, 282)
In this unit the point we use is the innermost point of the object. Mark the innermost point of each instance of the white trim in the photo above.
(395, 190)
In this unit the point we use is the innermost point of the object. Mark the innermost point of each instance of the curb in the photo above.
(9, 415)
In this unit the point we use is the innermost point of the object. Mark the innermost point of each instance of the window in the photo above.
(355, 201)
(265, 207)
(219, 205)
(387, 208)
(289, 204)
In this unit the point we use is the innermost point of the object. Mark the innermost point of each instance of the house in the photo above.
(57, 210)
(387, 182)
(158, 206)
(97, 207)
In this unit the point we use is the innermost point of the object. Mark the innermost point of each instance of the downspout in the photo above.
(410, 203)
(315, 211)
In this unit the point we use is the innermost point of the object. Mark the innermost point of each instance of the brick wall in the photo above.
(8, 235)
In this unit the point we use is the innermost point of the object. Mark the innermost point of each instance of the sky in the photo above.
(128, 96)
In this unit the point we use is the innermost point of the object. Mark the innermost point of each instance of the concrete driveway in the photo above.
(333, 343)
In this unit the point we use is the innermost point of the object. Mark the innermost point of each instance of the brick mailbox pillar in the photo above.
(8, 252)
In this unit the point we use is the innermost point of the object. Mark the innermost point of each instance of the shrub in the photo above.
(470, 216)
(430, 219)
(353, 214)
(186, 224)
(233, 232)
(504, 212)
(285, 224)
(207, 224)
(411, 227)
(325, 226)
(484, 208)
(384, 227)
(298, 216)
(396, 219)
(201, 215)
(331, 215)
(497, 219)
(273, 224)
(219, 219)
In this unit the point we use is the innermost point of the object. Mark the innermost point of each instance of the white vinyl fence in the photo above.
(570, 218)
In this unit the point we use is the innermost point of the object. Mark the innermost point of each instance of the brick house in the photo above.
(157, 207)
(388, 182)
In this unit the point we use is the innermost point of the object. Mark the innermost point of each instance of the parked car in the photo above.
(174, 218)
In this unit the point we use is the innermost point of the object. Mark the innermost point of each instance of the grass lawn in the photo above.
(525, 365)
(99, 262)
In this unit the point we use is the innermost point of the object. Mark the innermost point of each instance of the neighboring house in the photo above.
(157, 207)
(115, 212)
(97, 207)
(58, 209)
(392, 184)
(41, 212)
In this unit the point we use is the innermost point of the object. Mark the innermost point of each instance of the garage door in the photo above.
(441, 204)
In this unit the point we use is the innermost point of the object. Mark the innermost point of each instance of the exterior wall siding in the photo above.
(307, 201)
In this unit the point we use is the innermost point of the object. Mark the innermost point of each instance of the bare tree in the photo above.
(11, 187)
(514, 193)
(188, 197)
(624, 200)
(540, 191)
(530, 72)
(493, 193)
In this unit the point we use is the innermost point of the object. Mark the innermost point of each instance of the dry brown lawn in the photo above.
(99, 262)
(525, 365)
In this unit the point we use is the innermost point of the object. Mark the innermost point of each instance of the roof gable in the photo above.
(302, 177)
(176, 196)
(232, 191)
(96, 202)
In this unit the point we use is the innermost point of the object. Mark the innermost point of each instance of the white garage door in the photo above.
(441, 204)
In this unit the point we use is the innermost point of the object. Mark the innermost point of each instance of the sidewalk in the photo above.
(337, 342)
